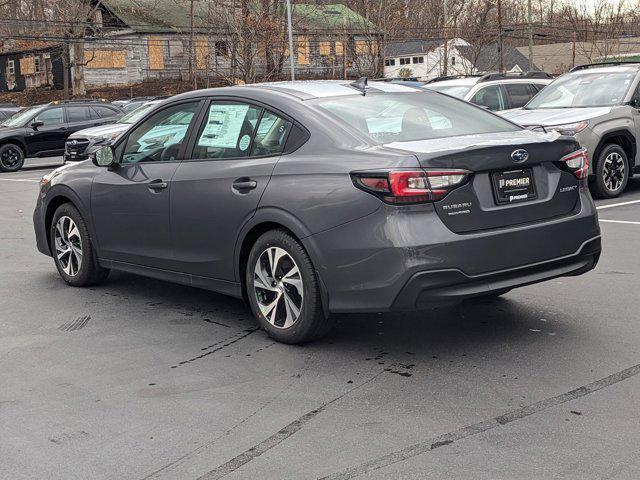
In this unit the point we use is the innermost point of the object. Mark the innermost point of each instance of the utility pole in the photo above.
(445, 53)
(192, 67)
(529, 20)
(291, 64)
(500, 57)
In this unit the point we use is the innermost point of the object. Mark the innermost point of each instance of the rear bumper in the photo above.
(403, 257)
(443, 286)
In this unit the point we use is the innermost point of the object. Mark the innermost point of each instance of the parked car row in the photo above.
(43, 130)
(597, 104)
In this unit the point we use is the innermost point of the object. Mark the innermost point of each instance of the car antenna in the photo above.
(360, 84)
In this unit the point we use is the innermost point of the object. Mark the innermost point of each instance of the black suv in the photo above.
(41, 131)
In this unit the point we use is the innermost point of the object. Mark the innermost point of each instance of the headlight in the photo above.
(109, 137)
(46, 179)
(569, 129)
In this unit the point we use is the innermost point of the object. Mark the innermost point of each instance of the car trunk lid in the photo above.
(515, 178)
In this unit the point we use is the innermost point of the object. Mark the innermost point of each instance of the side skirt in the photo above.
(225, 287)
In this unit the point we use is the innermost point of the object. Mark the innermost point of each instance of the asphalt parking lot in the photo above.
(142, 379)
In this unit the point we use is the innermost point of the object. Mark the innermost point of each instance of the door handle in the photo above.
(245, 184)
(158, 185)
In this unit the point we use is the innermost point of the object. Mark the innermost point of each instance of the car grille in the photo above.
(75, 148)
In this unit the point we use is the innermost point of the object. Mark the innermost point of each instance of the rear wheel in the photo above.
(283, 290)
(11, 157)
(611, 171)
(72, 250)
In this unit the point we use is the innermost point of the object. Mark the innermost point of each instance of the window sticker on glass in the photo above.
(244, 142)
(223, 126)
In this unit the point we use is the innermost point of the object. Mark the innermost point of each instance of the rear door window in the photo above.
(489, 97)
(519, 94)
(228, 130)
(78, 114)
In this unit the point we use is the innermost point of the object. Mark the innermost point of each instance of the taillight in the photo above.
(410, 186)
(577, 163)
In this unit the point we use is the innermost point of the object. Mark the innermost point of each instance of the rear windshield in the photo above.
(406, 117)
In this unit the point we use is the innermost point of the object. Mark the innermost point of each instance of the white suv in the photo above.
(494, 91)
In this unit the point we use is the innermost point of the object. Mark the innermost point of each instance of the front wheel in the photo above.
(283, 290)
(611, 172)
(72, 250)
(11, 158)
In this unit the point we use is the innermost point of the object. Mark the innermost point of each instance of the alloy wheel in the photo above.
(10, 157)
(278, 287)
(613, 171)
(68, 245)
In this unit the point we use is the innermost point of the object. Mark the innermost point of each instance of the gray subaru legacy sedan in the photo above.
(311, 198)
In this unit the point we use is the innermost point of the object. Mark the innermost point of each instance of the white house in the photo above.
(425, 59)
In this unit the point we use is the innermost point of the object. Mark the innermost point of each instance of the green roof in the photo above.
(328, 17)
(156, 16)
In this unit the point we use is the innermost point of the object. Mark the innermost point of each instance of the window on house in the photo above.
(37, 64)
(405, 61)
(11, 67)
(222, 48)
(390, 62)
(453, 60)
(418, 59)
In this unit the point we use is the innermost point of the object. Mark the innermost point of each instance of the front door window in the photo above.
(159, 138)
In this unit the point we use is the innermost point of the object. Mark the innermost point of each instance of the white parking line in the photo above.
(36, 180)
(619, 221)
(602, 207)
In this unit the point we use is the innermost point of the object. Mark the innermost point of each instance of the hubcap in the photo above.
(10, 157)
(613, 171)
(278, 287)
(68, 245)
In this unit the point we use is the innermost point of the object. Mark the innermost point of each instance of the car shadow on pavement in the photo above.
(472, 328)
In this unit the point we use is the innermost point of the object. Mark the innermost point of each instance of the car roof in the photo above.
(455, 81)
(469, 81)
(304, 89)
(633, 68)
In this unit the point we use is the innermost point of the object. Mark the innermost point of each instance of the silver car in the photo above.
(599, 105)
(493, 91)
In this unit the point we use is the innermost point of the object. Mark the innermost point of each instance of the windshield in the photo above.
(458, 91)
(406, 117)
(596, 89)
(137, 114)
(20, 118)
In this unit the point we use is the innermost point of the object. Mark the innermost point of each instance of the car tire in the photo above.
(11, 157)
(72, 249)
(611, 172)
(286, 302)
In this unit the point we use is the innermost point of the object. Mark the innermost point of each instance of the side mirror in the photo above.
(104, 157)
(36, 124)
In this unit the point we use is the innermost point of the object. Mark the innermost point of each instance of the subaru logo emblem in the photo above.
(519, 155)
(75, 142)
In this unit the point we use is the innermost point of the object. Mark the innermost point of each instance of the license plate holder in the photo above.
(513, 186)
